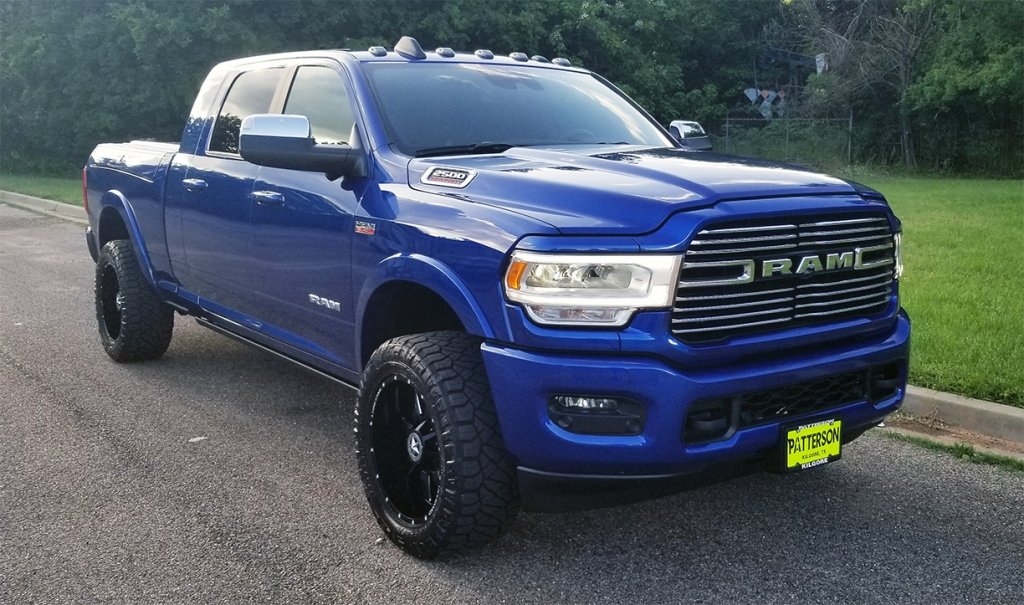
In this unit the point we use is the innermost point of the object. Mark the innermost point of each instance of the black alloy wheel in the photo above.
(112, 302)
(406, 450)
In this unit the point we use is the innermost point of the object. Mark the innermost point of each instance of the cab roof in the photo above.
(408, 50)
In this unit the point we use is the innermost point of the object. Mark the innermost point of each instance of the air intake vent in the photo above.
(745, 278)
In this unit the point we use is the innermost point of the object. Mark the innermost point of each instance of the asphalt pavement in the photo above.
(220, 474)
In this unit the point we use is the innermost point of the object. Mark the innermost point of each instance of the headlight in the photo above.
(898, 270)
(597, 290)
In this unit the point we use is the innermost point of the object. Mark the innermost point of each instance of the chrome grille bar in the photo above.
(836, 312)
(846, 222)
(844, 291)
(743, 250)
(738, 240)
(746, 229)
(690, 320)
(886, 275)
(740, 305)
(728, 296)
(833, 303)
(737, 326)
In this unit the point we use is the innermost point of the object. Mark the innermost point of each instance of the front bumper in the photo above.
(524, 381)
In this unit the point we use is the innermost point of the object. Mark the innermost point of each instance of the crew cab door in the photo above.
(302, 228)
(215, 200)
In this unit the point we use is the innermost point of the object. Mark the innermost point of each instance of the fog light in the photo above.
(586, 403)
(597, 415)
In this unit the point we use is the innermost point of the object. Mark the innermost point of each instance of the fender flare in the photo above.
(115, 201)
(431, 274)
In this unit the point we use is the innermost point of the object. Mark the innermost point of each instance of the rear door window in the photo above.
(252, 92)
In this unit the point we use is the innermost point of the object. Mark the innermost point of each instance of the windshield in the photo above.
(431, 108)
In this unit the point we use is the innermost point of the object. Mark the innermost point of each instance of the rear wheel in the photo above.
(134, 324)
(431, 457)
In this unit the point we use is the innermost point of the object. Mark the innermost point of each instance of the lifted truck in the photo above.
(544, 300)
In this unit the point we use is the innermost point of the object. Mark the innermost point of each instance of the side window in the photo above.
(252, 92)
(319, 94)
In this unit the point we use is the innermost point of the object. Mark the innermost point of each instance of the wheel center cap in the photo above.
(414, 446)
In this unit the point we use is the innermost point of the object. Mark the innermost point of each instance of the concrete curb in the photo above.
(951, 441)
(991, 419)
(47, 207)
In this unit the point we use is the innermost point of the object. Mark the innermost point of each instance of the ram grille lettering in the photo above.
(814, 264)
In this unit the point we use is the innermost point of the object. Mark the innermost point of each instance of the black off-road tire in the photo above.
(461, 489)
(134, 325)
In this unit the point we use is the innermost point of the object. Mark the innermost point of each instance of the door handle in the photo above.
(268, 198)
(194, 184)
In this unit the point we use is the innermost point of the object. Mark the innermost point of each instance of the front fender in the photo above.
(433, 275)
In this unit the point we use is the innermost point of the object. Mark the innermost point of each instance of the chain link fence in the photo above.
(821, 143)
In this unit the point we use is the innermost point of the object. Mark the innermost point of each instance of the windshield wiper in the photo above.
(485, 147)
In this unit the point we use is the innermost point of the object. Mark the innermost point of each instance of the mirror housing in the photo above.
(285, 141)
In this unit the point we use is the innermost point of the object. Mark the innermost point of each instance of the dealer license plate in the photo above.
(812, 444)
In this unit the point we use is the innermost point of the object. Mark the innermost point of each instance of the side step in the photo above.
(206, 323)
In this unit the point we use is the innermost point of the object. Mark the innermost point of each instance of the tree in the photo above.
(868, 44)
(968, 94)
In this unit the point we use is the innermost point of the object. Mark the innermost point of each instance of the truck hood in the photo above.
(621, 190)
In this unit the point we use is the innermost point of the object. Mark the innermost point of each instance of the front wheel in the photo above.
(134, 324)
(431, 458)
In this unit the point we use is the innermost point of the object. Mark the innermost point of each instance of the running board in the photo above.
(206, 323)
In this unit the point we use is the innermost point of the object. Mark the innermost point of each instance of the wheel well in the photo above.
(400, 308)
(111, 227)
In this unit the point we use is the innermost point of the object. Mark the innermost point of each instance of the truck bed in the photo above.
(143, 159)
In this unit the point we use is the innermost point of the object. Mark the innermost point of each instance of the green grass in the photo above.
(964, 282)
(963, 451)
(963, 287)
(61, 189)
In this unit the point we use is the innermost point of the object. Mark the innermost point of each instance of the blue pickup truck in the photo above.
(543, 300)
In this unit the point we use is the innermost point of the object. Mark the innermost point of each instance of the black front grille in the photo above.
(719, 417)
(744, 277)
(761, 407)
